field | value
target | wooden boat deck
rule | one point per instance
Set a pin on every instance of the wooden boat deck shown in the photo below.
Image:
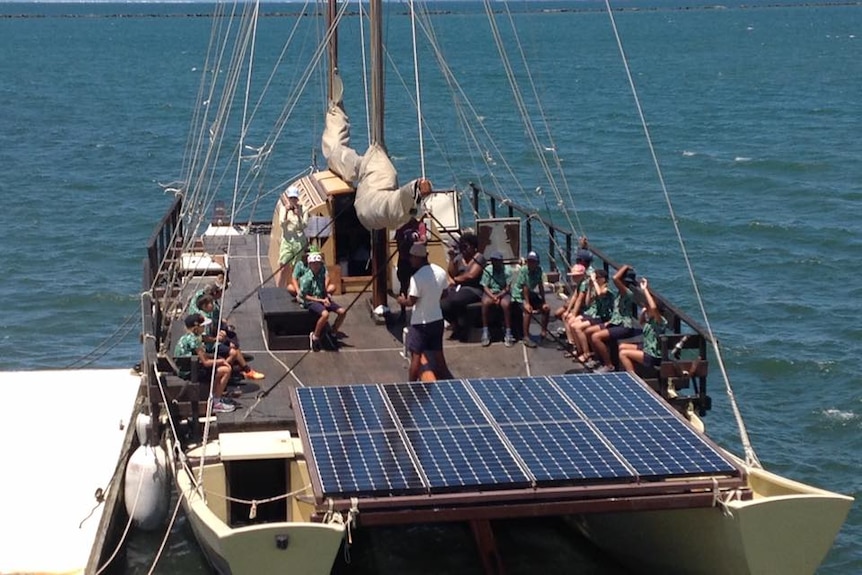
(370, 353)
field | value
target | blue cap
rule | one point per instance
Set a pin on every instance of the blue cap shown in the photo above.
(584, 255)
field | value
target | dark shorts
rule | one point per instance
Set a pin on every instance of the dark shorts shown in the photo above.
(652, 361)
(620, 331)
(506, 299)
(425, 337)
(536, 302)
(223, 350)
(317, 308)
(592, 320)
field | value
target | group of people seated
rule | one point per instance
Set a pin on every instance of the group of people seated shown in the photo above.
(595, 317)
(473, 279)
(215, 343)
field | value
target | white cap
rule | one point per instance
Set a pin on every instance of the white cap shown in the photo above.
(292, 192)
(315, 257)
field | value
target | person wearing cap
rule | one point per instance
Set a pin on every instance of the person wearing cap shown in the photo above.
(216, 340)
(598, 306)
(647, 352)
(315, 291)
(573, 305)
(425, 334)
(529, 291)
(293, 240)
(465, 287)
(622, 322)
(191, 344)
(298, 270)
(214, 291)
(497, 283)
(411, 232)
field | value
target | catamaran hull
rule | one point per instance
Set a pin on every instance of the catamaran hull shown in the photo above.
(269, 548)
(787, 528)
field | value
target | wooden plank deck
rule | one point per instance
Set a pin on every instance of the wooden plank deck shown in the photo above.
(370, 353)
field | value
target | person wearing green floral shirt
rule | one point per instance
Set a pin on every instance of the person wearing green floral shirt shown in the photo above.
(647, 352)
(622, 322)
(529, 291)
(496, 284)
(191, 344)
(314, 295)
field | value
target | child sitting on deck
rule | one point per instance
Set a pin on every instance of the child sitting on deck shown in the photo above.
(315, 291)
(191, 344)
(646, 353)
(529, 291)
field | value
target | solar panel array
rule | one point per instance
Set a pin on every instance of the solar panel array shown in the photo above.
(496, 433)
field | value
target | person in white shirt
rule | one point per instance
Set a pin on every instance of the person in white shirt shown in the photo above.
(425, 335)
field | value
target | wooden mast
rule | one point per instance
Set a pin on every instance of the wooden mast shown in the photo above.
(332, 11)
(378, 237)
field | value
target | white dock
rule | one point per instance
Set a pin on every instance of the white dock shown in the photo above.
(58, 448)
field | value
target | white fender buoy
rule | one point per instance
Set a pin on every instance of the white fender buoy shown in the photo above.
(146, 492)
(141, 424)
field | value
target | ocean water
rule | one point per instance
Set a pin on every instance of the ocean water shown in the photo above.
(754, 117)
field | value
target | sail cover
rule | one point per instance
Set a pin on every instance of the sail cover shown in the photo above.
(380, 202)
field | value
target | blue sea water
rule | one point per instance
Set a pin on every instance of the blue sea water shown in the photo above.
(754, 115)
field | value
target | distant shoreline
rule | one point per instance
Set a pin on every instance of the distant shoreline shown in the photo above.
(286, 11)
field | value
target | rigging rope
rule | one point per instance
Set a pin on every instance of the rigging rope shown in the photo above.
(750, 455)
(418, 93)
(89, 358)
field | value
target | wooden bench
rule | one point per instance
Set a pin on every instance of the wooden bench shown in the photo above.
(287, 323)
(183, 395)
(496, 326)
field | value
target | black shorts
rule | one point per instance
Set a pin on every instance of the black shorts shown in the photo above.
(536, 302)
(317, 308)
(425, 337)
(620, 331)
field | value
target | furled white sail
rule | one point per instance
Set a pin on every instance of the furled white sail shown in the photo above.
(380, 202)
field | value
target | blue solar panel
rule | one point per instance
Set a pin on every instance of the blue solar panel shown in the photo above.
(522, 400)
(565, 452)
(345, 409)
(611, 396)
(469, 458)
(443, 404)
(365, 464)
(497, 433)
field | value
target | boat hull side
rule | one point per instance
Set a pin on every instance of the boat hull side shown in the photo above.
(787, 528)
(311, 548)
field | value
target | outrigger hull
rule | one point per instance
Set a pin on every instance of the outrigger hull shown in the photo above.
(266, 548)
(787, 527)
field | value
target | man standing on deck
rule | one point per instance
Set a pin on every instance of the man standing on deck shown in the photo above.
(425, 335)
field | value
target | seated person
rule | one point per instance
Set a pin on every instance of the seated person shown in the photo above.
(623, 319)
(529, 291)
(573, 305)
(298, 271)
(215, 291)
(315, 291)
(191, 344)
(577, 279)
(497, 284)
(465, 277)
(654, 324)
(598, 306)
(216, 340)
